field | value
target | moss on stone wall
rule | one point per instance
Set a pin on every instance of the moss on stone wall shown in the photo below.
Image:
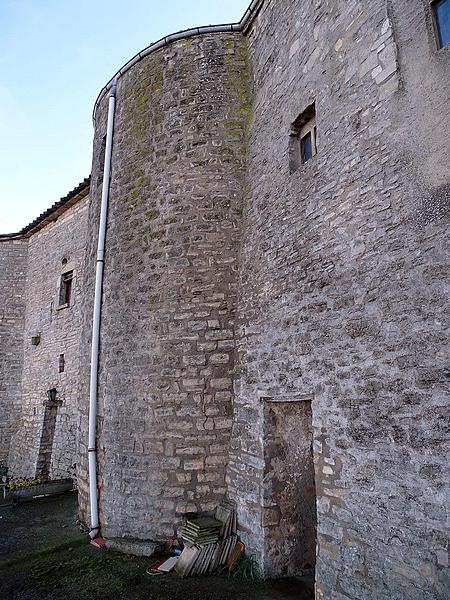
(173, 238)
(142, 100)
(239, 80)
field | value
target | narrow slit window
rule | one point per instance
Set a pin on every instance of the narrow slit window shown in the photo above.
(306, 142)
(62, 363)
(65, 290)
(441, 14)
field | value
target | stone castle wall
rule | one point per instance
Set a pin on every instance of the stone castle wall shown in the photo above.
(247, 306)
(13, 257)
(344, 288)
(166, 363)
(45, 442)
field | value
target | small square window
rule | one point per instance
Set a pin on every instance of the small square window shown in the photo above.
(65, 290)
(441, 13)
(303, 139)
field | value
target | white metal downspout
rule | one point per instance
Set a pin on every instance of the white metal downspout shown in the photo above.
(92, 452)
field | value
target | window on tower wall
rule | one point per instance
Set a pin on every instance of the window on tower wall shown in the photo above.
(308, 141)
(303, 139)
(441, 14)
(65, 289)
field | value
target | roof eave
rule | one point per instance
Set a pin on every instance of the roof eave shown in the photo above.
(52, 213)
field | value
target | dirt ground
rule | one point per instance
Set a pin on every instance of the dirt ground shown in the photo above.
(43, 556)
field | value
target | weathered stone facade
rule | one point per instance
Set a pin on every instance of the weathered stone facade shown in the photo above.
(344, 286)
(279, 335)
(43, 442)
(13, 260)
(170, 283)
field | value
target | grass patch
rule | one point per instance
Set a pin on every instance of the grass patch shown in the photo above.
(75, 570)
(25, 557)
(72, 570)
(248, 568)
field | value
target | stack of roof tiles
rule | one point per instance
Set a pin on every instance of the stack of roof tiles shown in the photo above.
(208, 541)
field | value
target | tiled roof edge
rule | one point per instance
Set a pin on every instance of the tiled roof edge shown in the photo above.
(52, 213)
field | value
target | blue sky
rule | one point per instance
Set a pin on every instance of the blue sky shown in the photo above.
(55, 56)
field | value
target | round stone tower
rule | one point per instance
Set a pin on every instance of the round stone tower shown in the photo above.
(169, 294)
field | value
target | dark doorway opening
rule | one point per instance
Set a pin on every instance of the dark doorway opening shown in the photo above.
(289, 492)
(46, 443)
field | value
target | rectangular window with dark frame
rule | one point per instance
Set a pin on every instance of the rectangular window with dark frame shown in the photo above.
(303, 139)
(307, 147)
(308, 144)
(441, 15)
(65, 290)
(62, 363)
